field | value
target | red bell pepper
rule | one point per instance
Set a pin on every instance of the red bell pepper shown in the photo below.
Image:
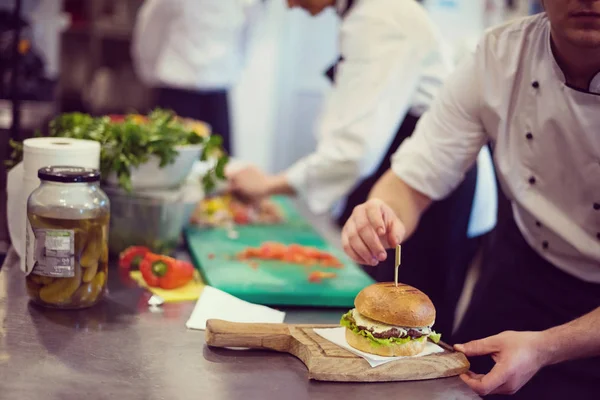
(132, 256)
(165, 272)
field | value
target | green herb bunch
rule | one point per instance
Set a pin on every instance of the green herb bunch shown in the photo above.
(129, 141)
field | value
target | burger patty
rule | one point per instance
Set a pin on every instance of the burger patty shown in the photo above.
(390, 333)
(394, 332)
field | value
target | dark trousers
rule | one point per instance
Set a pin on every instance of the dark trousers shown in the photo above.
(211, 107)
(519, 290)
(437, 256)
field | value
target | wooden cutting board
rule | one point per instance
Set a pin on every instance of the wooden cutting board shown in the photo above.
(326, 361)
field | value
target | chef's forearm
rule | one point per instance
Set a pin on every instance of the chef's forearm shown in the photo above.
(279, 185)
(407, 203)
(574, 340)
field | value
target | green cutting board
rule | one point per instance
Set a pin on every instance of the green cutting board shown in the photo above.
(274, 282)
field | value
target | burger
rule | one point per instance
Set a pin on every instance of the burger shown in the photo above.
(390, 320)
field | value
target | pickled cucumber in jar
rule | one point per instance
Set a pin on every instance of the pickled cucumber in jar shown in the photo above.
(67, 239)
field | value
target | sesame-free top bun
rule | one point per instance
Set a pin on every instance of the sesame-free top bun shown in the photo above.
(403, 306)
(362, 343)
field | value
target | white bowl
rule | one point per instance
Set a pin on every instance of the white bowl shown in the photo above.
(151, 176)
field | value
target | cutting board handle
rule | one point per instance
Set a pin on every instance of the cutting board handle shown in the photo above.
(221, 333)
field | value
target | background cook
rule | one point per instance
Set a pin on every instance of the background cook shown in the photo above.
(192, 53)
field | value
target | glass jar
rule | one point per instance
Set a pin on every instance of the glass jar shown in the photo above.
(67, 238)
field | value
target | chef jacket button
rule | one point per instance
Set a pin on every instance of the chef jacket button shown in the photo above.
(529, 136)
(532, 180)
(535, 84)
(596, 206)
(538, 224)
(545, 244)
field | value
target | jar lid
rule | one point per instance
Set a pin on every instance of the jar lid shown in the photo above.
(65, 174)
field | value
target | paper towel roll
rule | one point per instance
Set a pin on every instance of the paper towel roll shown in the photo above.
(43, 152)
(22, 179)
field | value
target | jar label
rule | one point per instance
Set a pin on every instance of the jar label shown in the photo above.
(51, 252)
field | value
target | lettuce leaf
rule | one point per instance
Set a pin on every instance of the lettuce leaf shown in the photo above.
(348, 322)
(435, 337)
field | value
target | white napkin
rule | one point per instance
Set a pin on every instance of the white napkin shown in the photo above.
(338, 336)
(216, 304)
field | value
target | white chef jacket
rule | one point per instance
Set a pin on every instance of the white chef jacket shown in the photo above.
(192, 44)
(394, 63)
(546, 137)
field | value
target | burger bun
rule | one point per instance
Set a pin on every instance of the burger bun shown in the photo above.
(401, 305)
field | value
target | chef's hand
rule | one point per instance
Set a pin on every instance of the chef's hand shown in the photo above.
(250, 183)
(518, 356)
(372, 228)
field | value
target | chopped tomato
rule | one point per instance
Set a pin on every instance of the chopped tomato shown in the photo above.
(331, 263)
(310, 262)
(251, 253)
(318, 276)
(299, 258)
(294, 253)
(311, 252)
(272, 251)
(296, 249)
(241, 217)
(287, 257)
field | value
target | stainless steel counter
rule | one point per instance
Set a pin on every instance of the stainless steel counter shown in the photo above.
(120, 349)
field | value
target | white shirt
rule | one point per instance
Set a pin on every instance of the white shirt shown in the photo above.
(192, 44)
(394, 62)
(547, 142)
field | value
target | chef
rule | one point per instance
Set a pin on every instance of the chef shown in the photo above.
(392, 65)
(533, 89)
(192, 52)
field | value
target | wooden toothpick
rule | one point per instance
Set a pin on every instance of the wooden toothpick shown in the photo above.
(398, 254)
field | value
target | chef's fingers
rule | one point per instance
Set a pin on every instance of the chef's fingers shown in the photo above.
(375, 217)
(348, 249)
(367, 233)
(359, 247)
(473, 375)
(395, 230)
(479, 347)
(230, 174)
(233, 183)
(233, 169)
(230, 188)
(489, 383)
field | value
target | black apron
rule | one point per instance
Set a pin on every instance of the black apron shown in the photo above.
(519, 290)
(211, 107)
(437, 256)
